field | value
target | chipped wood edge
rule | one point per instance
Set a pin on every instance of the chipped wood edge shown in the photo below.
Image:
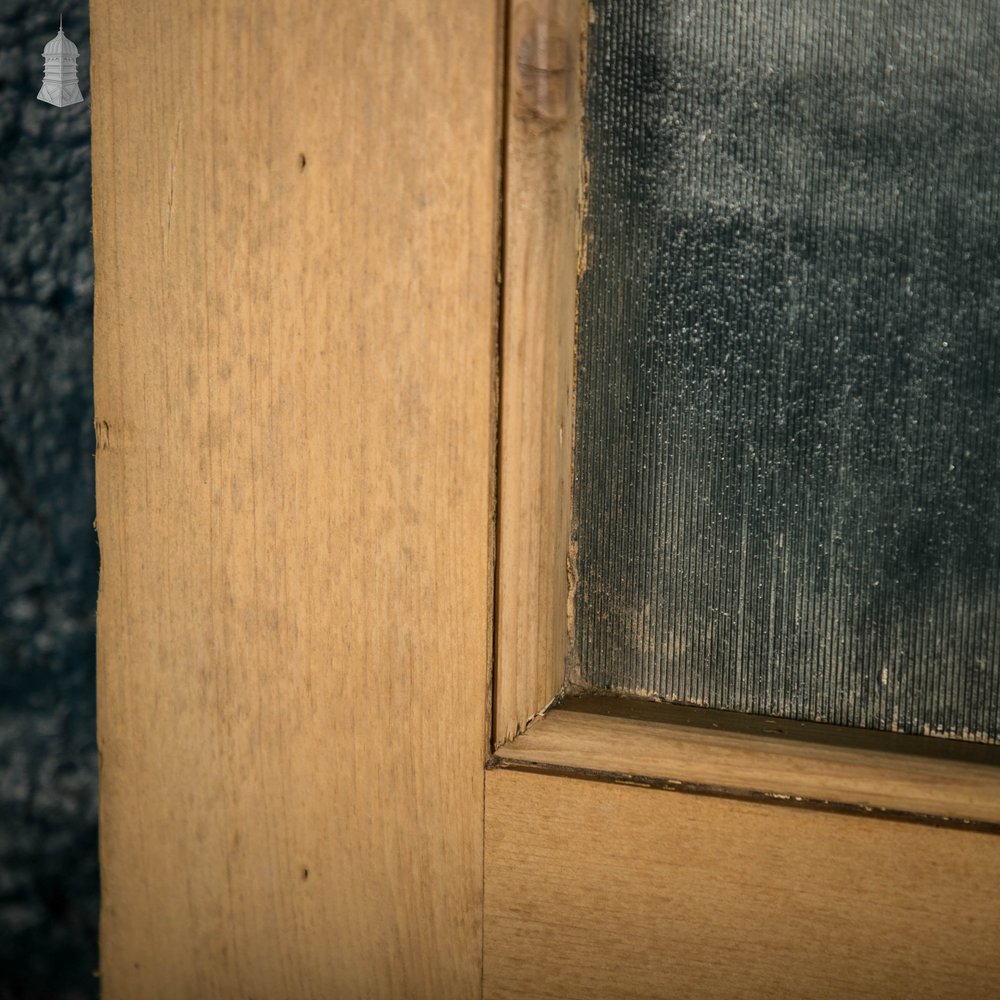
(542, 185)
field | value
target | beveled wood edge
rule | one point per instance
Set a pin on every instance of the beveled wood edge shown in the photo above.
(624, 706)
(806, 765)
(540, 248)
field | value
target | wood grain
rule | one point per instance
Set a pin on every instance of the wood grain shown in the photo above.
(604, 891)
(541, 235)
(739, 763)
(295, 222)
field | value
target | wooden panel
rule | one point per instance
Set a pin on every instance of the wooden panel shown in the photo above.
(675, 752)
(541, 223)
(295, 224)
(604, 891)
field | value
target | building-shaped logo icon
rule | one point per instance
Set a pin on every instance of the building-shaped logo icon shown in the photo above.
(59, 85)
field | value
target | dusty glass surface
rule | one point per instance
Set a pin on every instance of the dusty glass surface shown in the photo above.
(787, 476)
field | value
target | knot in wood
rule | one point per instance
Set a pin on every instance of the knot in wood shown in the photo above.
(542, 70)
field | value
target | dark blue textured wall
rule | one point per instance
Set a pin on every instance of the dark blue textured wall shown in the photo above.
(48, 552)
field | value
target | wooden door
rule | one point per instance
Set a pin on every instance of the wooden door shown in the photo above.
(295, 236)
(639, 850)
(332, 454)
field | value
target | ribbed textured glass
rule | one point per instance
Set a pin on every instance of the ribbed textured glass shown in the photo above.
(787, 474)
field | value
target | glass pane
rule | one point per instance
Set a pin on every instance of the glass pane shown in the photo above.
(787, 481)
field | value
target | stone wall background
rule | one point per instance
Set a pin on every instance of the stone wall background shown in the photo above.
(48, 549)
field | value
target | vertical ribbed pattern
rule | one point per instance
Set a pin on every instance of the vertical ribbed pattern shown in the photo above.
(787, 481)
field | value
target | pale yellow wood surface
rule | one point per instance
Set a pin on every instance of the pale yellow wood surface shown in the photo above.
(295, 227)
(541, 226)
(760, 764)
(604, 891)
